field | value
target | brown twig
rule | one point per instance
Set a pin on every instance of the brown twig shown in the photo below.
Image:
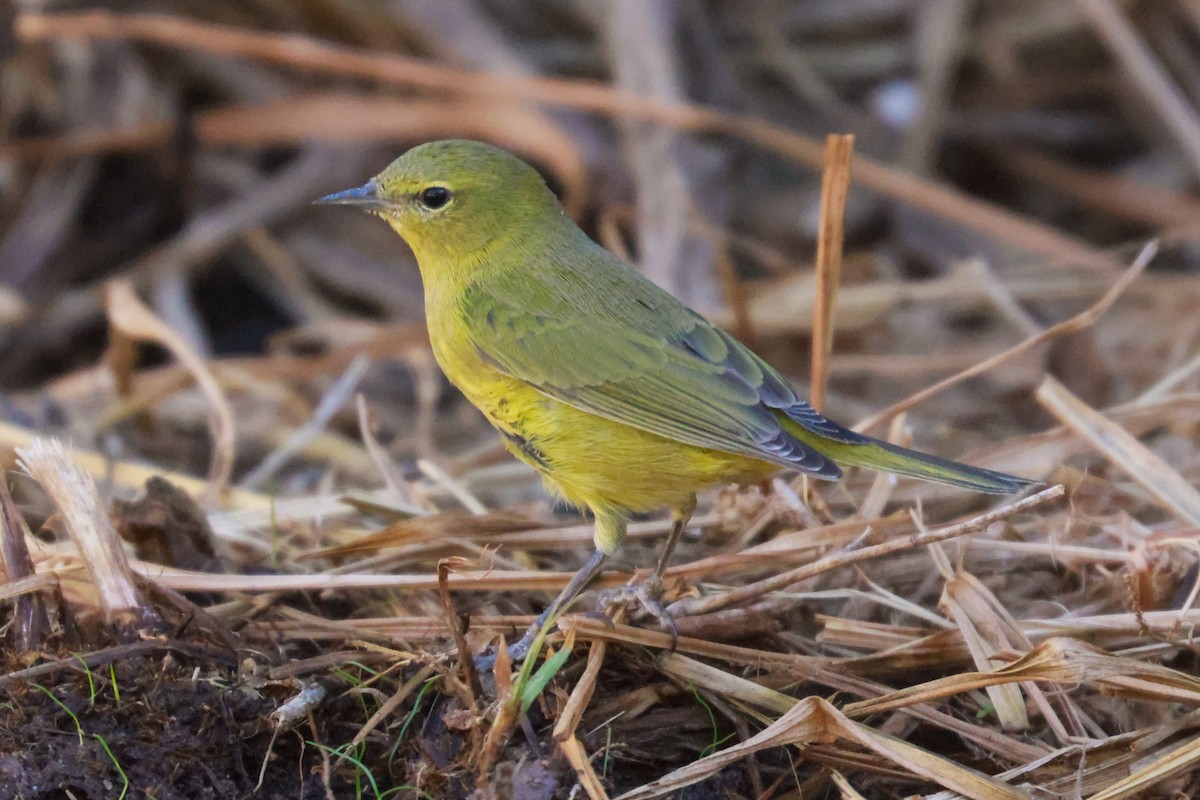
(706, 605)
(465, 660)
(1076, 323)
(835, 185)
(83, 512)
(1153, 474)
(29, 612)
(385, 710)
(572, 713)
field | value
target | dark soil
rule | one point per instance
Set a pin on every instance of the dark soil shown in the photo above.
(175, 720)
(160, 725)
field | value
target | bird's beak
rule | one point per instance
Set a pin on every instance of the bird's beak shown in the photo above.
(365, 196)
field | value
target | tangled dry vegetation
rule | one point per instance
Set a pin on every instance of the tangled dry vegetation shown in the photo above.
(276, 535)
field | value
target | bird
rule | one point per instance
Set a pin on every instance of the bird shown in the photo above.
(625, 400)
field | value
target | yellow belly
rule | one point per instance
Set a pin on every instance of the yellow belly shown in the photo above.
(595, 462)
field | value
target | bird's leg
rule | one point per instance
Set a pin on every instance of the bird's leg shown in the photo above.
(679, 520)
(610, 530)
(649, 591)
(579, 581)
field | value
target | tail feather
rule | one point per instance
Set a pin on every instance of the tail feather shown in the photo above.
(880, 455)
(903, 461)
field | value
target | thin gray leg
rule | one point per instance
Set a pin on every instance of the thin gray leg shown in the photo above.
(678, 525)
(649, 591)
(586, 574)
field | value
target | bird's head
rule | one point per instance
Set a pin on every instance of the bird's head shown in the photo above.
(455, 201)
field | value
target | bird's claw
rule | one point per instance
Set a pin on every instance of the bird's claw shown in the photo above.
(602, 618)
(648, 594)
(486, 661)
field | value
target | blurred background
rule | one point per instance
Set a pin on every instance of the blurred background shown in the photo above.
(1011, 157)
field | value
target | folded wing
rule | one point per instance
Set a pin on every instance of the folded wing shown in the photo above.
(635, 355)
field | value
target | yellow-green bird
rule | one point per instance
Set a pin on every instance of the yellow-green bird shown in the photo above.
(624, 399)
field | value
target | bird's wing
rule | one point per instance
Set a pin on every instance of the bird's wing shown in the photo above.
(621, 348)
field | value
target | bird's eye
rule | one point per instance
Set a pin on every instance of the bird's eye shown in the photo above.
(434, 197)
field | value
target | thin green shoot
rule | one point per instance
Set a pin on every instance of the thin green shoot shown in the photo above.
(116, 764)
(63, 706)
(355, 681)
(112, 676)
(521, 684)
(90, 679)
(717, 739)
(543, 676)
(372, 672)
(411, 716)
(356, 760)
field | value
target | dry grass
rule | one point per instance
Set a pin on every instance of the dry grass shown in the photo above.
(299, 622)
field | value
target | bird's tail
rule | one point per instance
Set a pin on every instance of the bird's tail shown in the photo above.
(880, 455)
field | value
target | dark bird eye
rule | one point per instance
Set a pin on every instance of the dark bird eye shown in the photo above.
(434, 197)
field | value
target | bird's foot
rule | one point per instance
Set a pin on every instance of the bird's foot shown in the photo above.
(648, 594)
(517, 651)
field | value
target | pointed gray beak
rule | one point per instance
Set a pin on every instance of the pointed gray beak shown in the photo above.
(365, 196)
